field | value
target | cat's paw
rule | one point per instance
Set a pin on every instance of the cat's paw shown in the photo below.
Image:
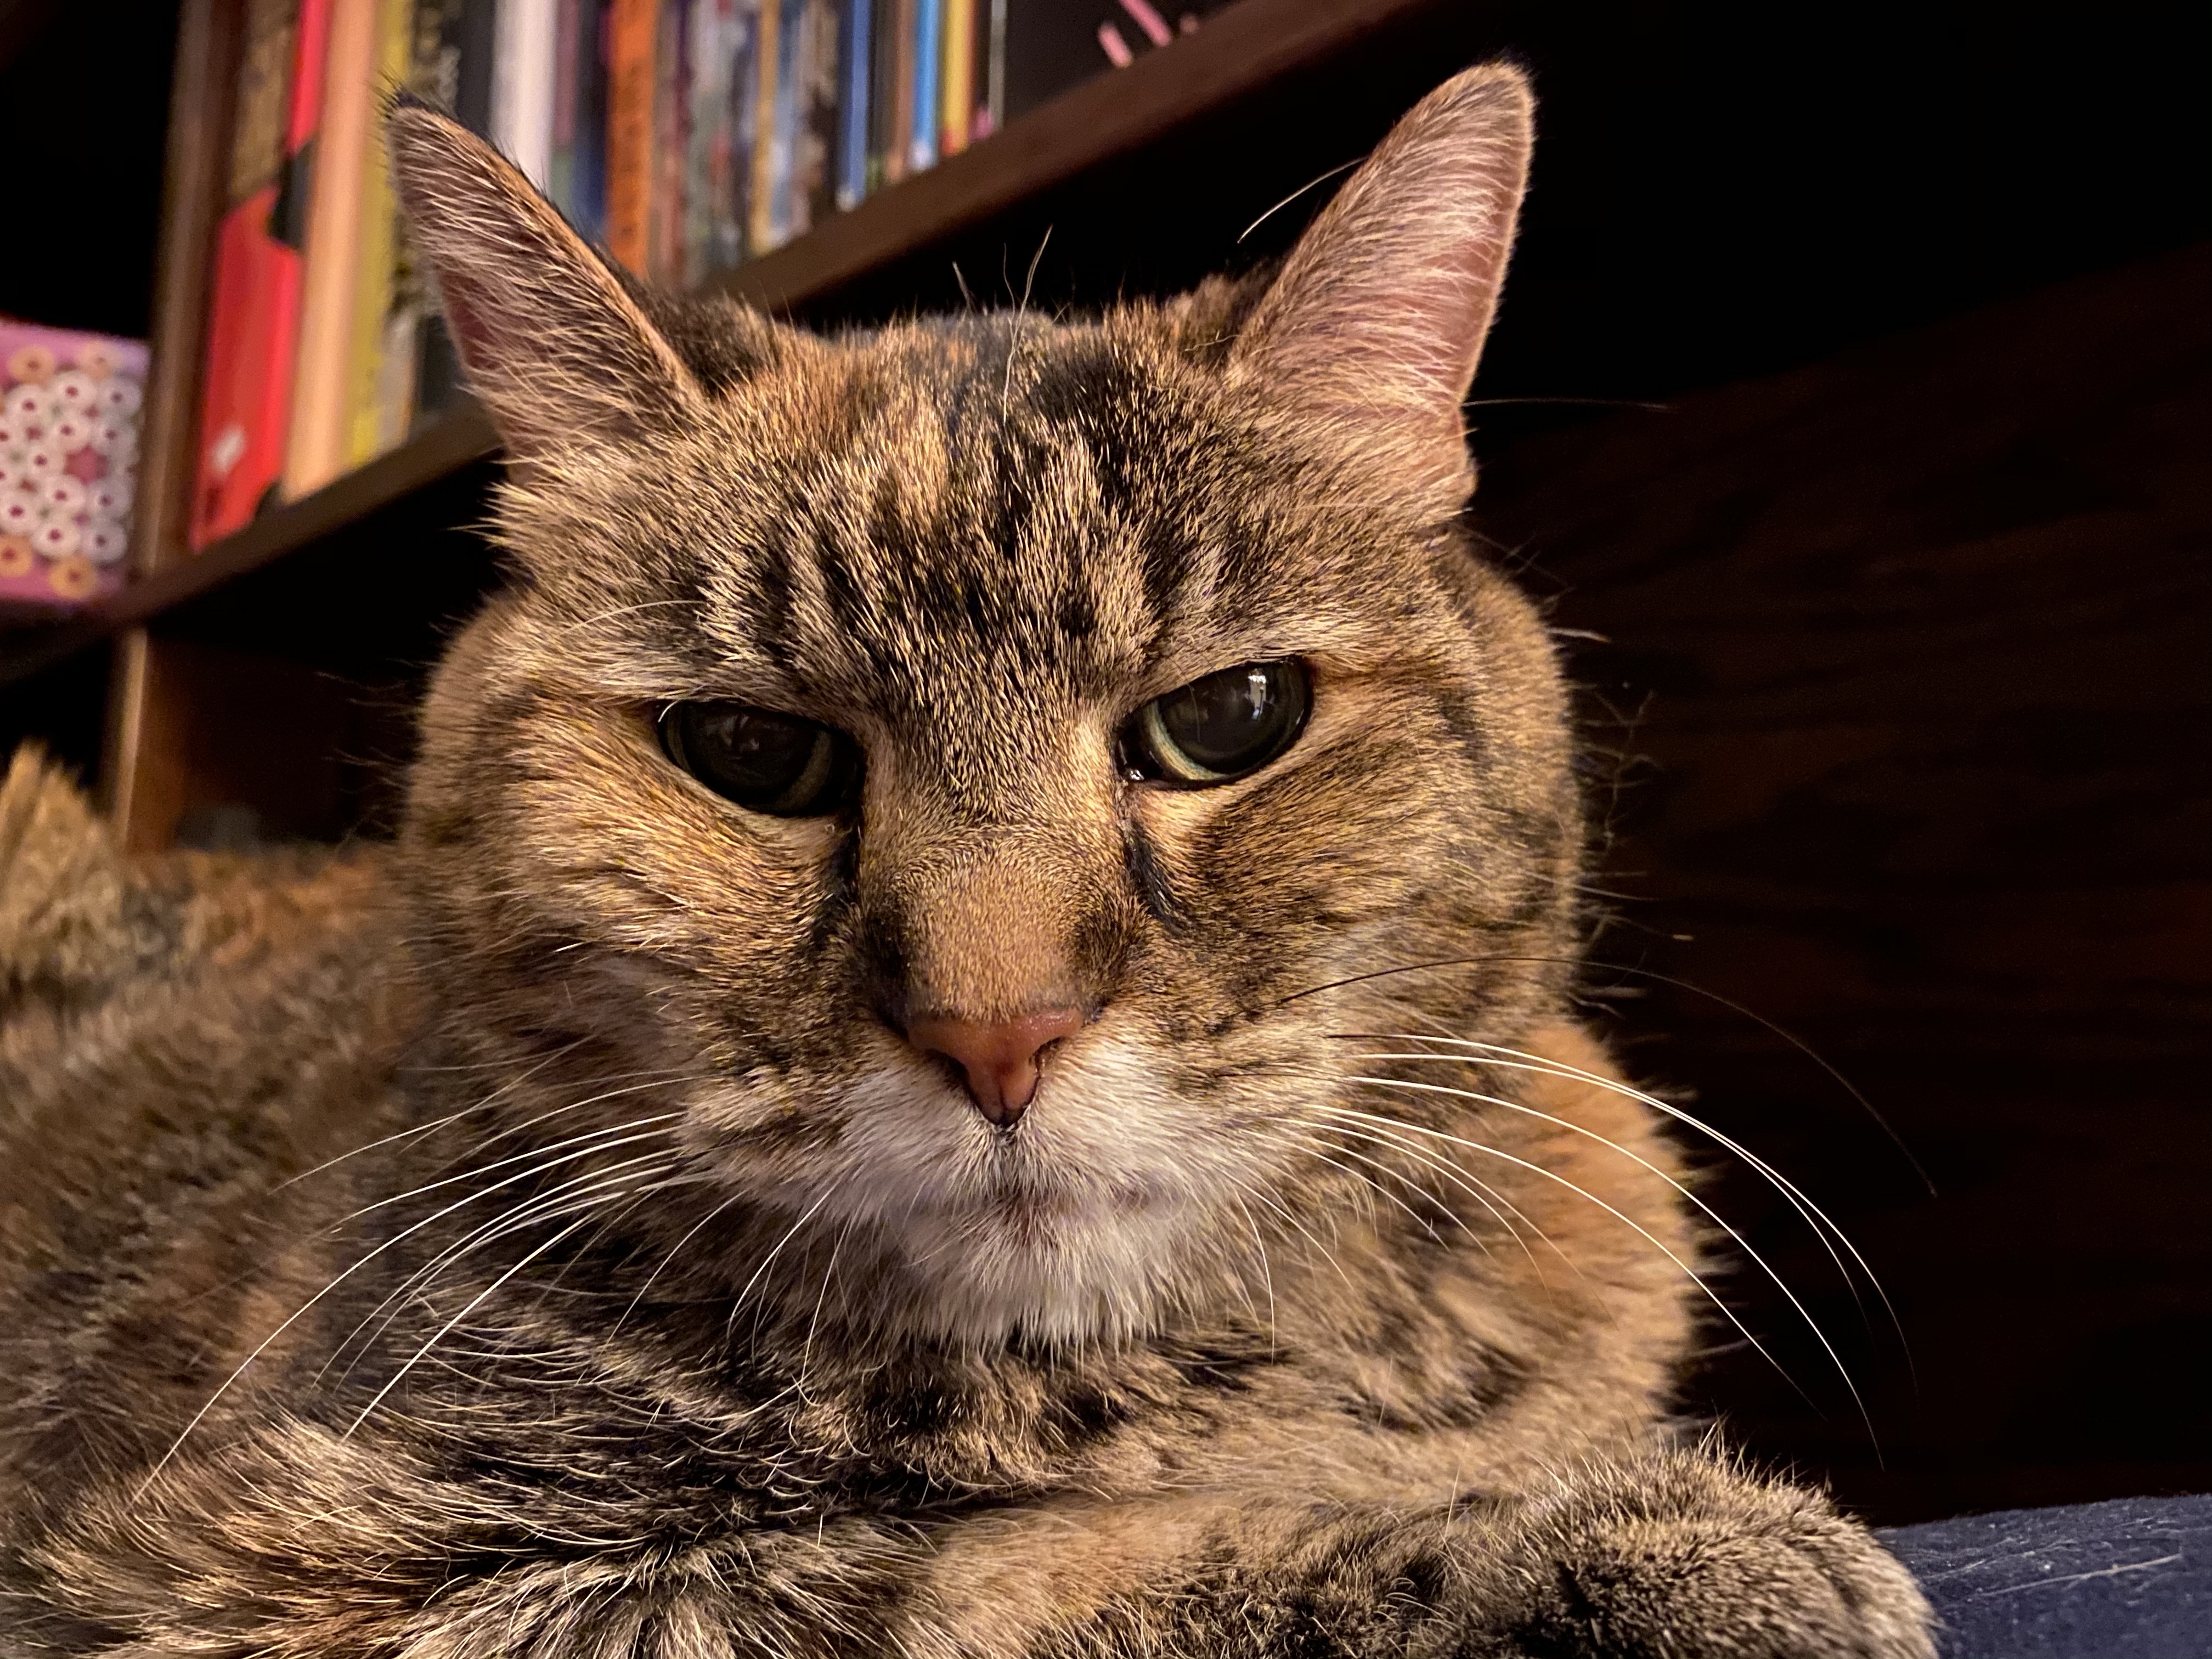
(1683, 1556)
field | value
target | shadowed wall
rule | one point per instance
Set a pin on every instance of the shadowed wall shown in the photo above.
(1905, 682)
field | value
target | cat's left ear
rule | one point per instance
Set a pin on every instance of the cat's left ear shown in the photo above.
(551, 341)
(1374, 325)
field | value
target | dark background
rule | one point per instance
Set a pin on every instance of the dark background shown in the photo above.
(1849, 406)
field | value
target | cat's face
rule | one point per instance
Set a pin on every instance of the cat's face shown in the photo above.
(831, 765)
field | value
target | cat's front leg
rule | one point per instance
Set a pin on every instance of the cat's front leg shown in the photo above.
(1684, 1555)
(1674, 1556)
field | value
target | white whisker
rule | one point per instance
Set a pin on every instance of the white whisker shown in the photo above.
(1630, 1222)
(474, 1303)
(1822, 1226)
(522, 1157)
(1705, 1209)
(484, 1233)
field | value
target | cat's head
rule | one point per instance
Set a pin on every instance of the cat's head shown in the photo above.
(931, 773)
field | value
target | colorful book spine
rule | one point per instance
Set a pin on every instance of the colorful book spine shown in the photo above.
(814, 131)
(991, 55)
(475, 52)
(927, 63)
(856, 109)
(588, 208)
(454, 41)
(891, 79)
(254, 298)
(721, 51)
(760, 203)
(956, 107)
(526, 59)
(671, 122)
(785, 213)
(743, 118)
(567, 53)
(633, 26)
(379, 372)
(316, 450)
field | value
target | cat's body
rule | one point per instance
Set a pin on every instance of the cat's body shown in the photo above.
(942, 1212)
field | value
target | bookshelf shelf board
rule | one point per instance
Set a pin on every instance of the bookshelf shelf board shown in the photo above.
(1241, 49)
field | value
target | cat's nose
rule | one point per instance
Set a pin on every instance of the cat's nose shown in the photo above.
(1000, 1057)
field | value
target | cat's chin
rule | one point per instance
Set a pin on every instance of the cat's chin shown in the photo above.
(1087, 1223)
(1062, 1279)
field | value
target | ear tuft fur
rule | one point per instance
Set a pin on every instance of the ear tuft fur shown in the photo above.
(552, 341)
(1377, 320)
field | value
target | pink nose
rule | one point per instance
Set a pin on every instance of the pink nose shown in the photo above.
(998, 1056)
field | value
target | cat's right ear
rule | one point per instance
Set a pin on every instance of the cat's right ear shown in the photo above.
(1373, 327)
(552, 343)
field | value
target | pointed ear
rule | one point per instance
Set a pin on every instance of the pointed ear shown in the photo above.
(551, 341)
(1377, 318)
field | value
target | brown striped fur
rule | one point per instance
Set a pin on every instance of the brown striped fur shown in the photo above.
(537, 1239)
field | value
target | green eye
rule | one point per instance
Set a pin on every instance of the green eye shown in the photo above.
(779, 764)
(1220, 728)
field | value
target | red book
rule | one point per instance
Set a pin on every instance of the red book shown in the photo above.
(253, 315)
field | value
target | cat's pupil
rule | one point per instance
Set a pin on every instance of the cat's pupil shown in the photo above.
(1220, 728)
(780, 764)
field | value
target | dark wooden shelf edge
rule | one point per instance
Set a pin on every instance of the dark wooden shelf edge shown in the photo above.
(1241, 49)
(453, 441)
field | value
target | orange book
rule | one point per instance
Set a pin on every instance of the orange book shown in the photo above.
(317, 452)
(761, 231)
(956, 79)
(631, 29)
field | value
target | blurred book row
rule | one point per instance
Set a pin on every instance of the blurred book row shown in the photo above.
(682, 136)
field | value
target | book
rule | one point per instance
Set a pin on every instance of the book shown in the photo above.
(453, 42)
(587, 207)
(526, 40)
(245, 389)
(720, 41)
(991, 71)
(633, 26)
(69, 458)
(760, 199)
(955, 104)
(856, 107)
(745, 123)
(890, 92)
(813, 178)
(928, 51)
(561, 155)
(672, 121)
(380, 365)
(475, 44)
(315, 451)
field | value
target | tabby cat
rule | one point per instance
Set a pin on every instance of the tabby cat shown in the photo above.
(965, 1051)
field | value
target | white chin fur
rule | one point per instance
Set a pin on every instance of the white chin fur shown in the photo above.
(1079, 1226)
